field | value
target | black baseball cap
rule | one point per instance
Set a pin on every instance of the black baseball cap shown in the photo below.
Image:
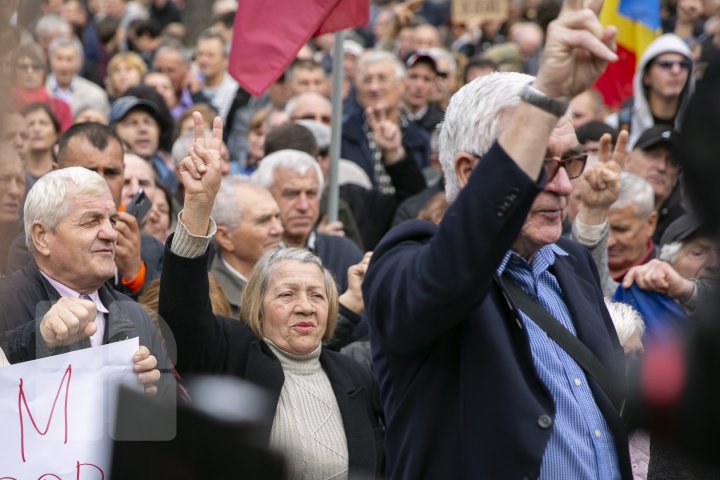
(124, 105)
(656, 135)
(425, 57)
(682, 228)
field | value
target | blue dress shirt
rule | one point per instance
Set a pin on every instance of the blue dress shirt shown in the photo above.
(581, 445)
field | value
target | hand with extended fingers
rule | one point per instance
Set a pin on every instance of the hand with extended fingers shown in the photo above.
(200, 174)
(577, 49)
(600, 183)
(386, 134)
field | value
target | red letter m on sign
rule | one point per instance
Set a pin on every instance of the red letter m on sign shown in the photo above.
(23, 401)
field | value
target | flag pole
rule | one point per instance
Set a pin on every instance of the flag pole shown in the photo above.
(335, 126)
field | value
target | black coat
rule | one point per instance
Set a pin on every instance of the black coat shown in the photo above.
(26, 296)
(207, 343)
(461, 395)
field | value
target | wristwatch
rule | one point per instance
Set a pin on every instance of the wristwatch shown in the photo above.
(538, 99)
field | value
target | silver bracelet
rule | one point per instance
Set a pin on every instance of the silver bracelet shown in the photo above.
(538, 99)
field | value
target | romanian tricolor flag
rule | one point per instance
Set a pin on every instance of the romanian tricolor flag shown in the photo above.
(638, 24)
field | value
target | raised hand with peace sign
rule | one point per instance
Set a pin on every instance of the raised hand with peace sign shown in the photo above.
(200, 175)
(600, 183)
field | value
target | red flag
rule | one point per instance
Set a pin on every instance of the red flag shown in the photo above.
(268, 34)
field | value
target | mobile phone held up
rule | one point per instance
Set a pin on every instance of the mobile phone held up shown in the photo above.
(139, 205)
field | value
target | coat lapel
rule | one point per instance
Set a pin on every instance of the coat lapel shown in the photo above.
(352, 402)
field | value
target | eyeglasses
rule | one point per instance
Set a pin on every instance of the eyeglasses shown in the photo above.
(311, 116)
(669, 64)
(573, 163)
(30, 66)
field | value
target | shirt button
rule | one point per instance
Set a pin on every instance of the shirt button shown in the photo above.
(597, 433)
(577, 382)
(544, 421)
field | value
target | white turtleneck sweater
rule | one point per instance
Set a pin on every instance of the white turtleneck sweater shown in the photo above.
(308, 427)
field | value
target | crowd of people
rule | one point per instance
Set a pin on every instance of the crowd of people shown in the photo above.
(505, 244)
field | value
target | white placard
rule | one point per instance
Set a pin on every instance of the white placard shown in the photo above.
(57, 413)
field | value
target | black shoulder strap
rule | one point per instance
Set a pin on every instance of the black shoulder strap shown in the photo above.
(567, 341)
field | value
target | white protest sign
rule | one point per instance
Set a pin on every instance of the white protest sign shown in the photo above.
(57, 413)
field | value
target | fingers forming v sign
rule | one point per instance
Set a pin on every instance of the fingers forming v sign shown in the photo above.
(601, 181)
(200, 170)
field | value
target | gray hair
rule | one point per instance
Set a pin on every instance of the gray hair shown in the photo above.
(295, 160)
(61, 42)
(251, 304)
(442, 54)
(319, 130)
(371, 57)
(51, 25)
(102, 107)
(626, 320)
(47, 200)
(226, 210)
(292, 103)
(635, 191)
(177, 47)
(183, 144)
(474, 119)
(669, 252)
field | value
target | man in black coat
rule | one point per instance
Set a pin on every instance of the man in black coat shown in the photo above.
(472, 386)
(60, 301)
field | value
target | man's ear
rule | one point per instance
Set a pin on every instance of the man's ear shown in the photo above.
(464, 164)
(40, 235)
(222, 237)
(652, 222)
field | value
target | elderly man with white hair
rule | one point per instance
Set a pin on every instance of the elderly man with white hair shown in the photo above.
(248, 225)
(61, 301)
(296, 182)
(66, 59)
(632, 221)
(467, 317)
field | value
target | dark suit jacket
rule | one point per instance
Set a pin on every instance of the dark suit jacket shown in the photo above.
(26, 296)
(355, 145)
(207, 343)
(461, 395)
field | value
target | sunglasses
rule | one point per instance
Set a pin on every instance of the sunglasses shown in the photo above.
(310, 116)
(30, 67)
(573, 163)
(669, 64)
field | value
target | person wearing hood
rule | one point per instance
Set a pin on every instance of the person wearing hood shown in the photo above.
(662, 87)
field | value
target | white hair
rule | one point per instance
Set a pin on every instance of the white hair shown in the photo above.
(177, 47)
(669, 252)
(295, 160)
(51, 25)
(371, 57)
(47, 200)
(292, 103)
(61, 42)
(474, 119)
(635, 191)
(226, 209)
(626, 320)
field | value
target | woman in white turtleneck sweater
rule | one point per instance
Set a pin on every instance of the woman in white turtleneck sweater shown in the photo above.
(327, 423)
